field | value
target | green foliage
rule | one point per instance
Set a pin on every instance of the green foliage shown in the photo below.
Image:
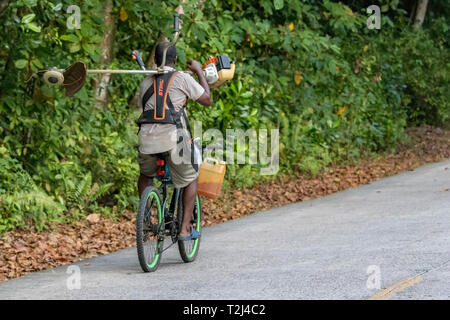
(21, 202)
(84, 193)
(334, 88)
(423, 67)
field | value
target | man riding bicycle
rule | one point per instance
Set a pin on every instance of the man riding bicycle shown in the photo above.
(164, 128)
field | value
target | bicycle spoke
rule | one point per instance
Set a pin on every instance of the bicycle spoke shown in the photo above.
(168, 247)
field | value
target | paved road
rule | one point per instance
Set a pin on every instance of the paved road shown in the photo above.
(386, 240)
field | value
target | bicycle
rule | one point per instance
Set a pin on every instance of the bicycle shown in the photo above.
(157, 219)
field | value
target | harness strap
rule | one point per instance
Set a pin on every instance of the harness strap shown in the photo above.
(160, 92)
(161, 86)
(147, 96)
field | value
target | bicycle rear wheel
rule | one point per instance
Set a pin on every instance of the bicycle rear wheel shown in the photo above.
(149, 229)
(189, 249)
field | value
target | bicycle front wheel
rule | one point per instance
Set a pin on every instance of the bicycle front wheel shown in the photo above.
(149, 229)
(189, 249)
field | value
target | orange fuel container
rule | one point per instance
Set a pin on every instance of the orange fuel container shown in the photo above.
(210, 178)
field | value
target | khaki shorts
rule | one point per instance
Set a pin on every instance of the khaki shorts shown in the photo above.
(182, 174)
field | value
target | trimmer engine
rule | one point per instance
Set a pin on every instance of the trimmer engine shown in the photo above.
(218, 70)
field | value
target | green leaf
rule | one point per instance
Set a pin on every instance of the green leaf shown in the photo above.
(28, 18)
(69, 37)
(25, 53)
(20, 64)
(95, 38)
(74, 47)
(89, 48)
(97, 20)
(37, 63)
(30, 3)
(34, 27)
(198, 15)
(87, 30)
(332, 67)
(57, 7)
(278, 4)
(247, 94)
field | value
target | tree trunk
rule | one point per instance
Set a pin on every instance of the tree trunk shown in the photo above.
(412, 14)
(106, 55)
(3, 6)
(421, 10)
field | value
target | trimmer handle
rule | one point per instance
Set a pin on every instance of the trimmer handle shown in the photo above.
(176, 22)
(136, 56)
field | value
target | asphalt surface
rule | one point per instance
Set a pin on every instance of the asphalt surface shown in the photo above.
(388, 240)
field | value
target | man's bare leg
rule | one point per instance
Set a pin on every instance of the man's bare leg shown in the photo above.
(143, 182)
(189, 194)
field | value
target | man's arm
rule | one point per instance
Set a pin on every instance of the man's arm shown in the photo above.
(205, 98)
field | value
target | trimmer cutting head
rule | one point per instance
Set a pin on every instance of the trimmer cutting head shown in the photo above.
(53, 77)
(74, 78)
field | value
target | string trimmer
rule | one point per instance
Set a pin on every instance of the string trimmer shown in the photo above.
(217, 70)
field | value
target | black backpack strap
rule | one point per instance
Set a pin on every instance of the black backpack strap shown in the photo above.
(175, 116)
(147, 95)
(159, 90)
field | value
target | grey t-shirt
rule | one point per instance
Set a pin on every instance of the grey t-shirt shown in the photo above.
(156, 137)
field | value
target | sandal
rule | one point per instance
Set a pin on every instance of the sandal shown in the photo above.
(194, 235)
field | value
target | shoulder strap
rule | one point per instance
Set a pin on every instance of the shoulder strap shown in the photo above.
(147, 95)
(159, 90)
(162, 86)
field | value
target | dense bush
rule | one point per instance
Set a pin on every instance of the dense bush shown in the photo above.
(311, 68)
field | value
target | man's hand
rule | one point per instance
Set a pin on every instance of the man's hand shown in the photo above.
(194, 66)
(205, 98)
